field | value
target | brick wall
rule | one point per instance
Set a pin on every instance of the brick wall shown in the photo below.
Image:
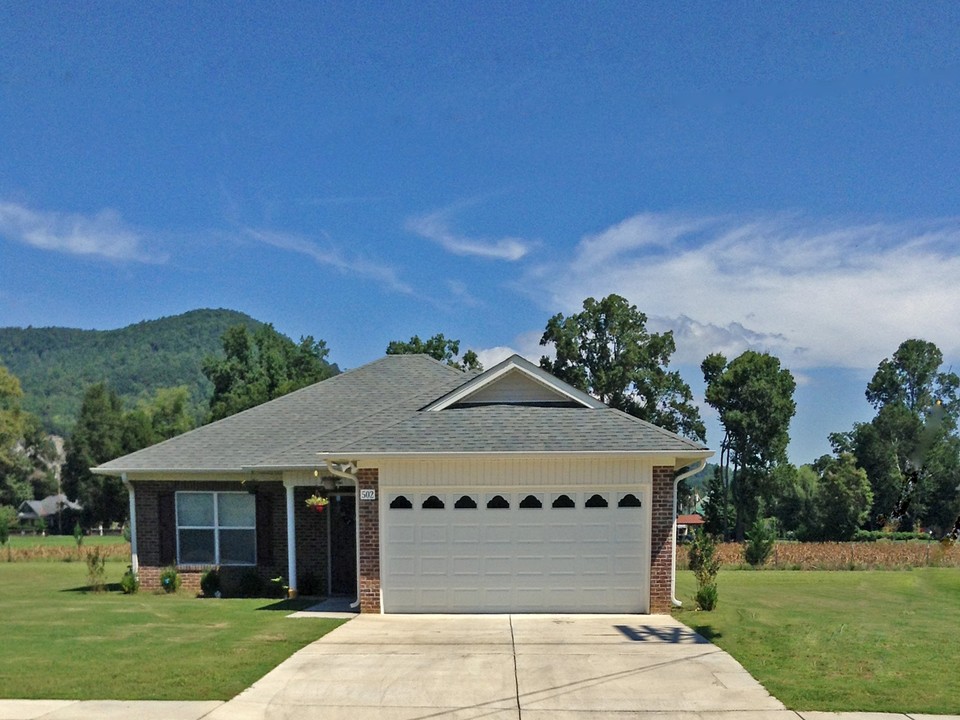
(148, 531)
(661, 540)
(311, 529)
(369, 550)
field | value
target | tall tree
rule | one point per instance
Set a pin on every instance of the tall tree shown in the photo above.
(263, 366)
(910, 450)
(13, 488)
(96, 438)
(842, 500)
(754, 398)
(439, 348)
(606, 350)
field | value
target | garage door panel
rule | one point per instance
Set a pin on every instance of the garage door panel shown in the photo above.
(564, 559)
(465, 533)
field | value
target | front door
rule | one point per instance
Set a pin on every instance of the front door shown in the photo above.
(343, 545)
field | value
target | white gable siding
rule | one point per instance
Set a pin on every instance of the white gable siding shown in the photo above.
(515, 387)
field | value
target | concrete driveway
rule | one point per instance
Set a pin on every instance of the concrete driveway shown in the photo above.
(507, 666)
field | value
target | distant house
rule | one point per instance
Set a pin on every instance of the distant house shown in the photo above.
(50, 505)
(687, 524)
(502, 491)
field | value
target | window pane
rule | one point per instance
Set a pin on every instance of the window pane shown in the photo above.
(237, 510)
(195, 509)
(196, 547)
(238, 547)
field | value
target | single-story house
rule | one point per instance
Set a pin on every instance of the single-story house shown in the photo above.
(50, 505)
(687, 524)
(501, 491)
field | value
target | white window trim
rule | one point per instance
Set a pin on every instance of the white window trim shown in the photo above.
(215, 527)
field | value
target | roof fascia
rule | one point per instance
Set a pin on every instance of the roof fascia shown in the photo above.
(514, 363)
(686, 456)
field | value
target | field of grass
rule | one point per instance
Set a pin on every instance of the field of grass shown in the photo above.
(882, 641)
(60, 641)
(18, 541)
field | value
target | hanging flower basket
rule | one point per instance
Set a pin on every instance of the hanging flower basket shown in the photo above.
(317, 502)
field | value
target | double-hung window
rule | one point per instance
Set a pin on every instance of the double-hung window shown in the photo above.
(216, 528)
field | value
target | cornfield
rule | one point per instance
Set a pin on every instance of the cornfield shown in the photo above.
(63, 553)
(880, 555)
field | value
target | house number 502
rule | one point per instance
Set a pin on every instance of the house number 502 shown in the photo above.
(368, 494)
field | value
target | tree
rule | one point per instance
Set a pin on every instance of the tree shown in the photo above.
(606, 351)
(97, 438)
(263, 366)
(843, 498)
(910, 450)
(754, 398)
(26, 452)
(439, 348)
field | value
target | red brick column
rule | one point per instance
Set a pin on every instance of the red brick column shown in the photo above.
(368, 512)
(661, 540)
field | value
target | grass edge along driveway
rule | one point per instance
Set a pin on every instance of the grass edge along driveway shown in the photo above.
(873, 641)
(61, 642)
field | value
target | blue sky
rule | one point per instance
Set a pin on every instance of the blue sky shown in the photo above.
(775, 176)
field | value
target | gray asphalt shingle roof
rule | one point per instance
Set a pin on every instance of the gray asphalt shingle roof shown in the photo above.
(378, 409)
(393, 386)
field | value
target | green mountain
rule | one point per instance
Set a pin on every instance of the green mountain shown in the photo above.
(56, 365)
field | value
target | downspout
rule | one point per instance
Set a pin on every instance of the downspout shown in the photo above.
(673, 535)
(348, 471)
(134, 557)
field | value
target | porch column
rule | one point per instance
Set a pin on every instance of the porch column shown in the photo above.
(291, 542)
(134, 557)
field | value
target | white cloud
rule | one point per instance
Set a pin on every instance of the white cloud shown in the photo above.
(331, 257)
(526, 345)
(815, 294)
(435, 227)
(104, 234)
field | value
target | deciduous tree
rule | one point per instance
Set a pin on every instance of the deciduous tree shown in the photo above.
(606, 350)
(754, 398)
(262, 367)
(910, 450)
(439, 348)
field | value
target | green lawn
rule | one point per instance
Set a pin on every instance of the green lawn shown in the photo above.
(59, 641)
(883, 641)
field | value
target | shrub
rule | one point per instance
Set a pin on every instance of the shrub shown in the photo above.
(759, 545)
(706, 597)
(250, 584)
(78, 534)
(705, 563)
(210, 583)
(8, 515)
(95, 569)
(170, 580)
(130, 582)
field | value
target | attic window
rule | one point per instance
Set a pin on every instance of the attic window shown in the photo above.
(465, 503)
(596, 501)
(498, 502)
(400, 502)
(531, 502)
(433, 503)
(629, 501)
(563, 501)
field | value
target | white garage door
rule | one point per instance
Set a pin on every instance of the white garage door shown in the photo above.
(556, 551)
